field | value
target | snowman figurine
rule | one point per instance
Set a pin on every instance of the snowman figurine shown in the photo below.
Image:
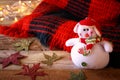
(89, 50)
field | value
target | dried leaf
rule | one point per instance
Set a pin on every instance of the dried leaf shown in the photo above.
(50, 59)
(12, 59)
(79, 76)
(23, 44)
(32, 72)
(47, 56)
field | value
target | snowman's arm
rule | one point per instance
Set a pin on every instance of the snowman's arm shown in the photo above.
(72, 42)
(107, 46)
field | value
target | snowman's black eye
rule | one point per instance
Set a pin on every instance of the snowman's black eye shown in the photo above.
(87, 29)
(84, 29)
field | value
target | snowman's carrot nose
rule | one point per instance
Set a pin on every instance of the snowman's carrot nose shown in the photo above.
(86, 35)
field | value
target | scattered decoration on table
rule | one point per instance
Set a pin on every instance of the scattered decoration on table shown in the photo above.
(50, 59)
(23, 44)
(12, 59)
(80, 76)
(32, 72)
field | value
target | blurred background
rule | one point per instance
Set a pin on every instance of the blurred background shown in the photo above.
(12, 10)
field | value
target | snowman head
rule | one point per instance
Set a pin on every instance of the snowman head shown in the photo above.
(87, 28)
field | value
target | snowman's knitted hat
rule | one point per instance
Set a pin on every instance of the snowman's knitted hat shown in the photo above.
(91, 22)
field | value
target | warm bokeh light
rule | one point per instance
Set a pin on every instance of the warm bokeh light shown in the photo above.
(13, 12)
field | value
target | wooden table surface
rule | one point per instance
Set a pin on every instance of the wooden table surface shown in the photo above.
(60, 70)
(64, 74)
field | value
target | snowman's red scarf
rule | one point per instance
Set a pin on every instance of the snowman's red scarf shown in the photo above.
(89, 42)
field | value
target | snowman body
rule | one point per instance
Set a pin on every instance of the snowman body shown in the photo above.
(89, 50)
(97, 59)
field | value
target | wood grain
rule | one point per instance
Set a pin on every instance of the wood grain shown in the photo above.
(60, 70)
(64, 74)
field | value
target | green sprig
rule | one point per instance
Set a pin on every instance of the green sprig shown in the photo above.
(79, 76)
(23, 44)
(50, 59)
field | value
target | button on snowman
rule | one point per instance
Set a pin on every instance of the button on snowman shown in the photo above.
(89, 50)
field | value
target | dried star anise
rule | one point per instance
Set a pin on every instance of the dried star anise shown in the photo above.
(12, 59)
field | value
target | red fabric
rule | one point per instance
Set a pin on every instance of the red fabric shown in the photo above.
(64, 32)
(89, 46)
(59, 3)
(83, 40)
(105, 12)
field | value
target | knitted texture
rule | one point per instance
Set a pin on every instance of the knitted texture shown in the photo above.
(64, 32)
(53, 21)
(78, 8)
(44, 27)
(105, 12)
